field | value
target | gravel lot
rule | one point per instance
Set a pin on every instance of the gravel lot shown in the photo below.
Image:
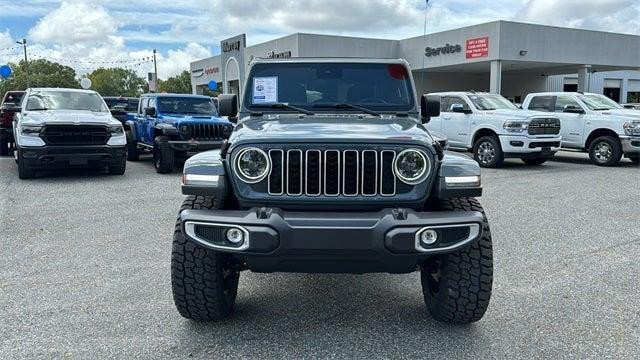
(86, 257)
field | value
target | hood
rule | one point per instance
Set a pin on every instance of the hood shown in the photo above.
(199, 119)
(326, 129)
(69, 117)
(627, 114)
(518, 114)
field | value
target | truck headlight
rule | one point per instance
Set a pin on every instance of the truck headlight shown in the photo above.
(515, 126)
(28, 130)
(411, 166)
(117, 130)
(631, 128)
(252, 165)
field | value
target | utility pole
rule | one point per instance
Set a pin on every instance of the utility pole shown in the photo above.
(155, 71)
(26, 61)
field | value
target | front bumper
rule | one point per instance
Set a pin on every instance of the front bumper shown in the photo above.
(518, 145)
(332, 242)
(52, 157)
(630, 145)
(195, 145)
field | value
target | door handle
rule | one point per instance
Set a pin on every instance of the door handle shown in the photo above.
(588, 122)
(446, 117)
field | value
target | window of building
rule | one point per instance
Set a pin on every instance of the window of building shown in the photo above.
(633, 96)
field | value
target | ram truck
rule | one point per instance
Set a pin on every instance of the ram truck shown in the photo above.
(592, 123)
(330, 169)
(494, 129)
(58, 128)
(173, 126)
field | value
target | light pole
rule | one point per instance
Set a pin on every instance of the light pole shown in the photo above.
(155, 71)
(26, 61)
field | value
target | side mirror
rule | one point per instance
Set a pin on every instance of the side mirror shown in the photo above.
(150, 111)
(11, 107)
(228, 105)
(459, 108)
(429, 107)
(572, 109)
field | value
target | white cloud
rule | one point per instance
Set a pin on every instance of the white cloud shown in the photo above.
(606, 15)
(178, 60)
(73, 23)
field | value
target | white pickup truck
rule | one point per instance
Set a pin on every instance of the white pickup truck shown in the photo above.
(494, 128)
(594, 123)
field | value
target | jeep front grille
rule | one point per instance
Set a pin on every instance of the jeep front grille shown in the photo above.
(75, 135)
(203, 131)
(331, 172)
(544, 126)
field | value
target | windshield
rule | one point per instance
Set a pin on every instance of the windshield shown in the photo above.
(65, 100)
(186, 105)
(127, 104)
(598, 102)
(329, 86)
(491, 102)
(13, 97)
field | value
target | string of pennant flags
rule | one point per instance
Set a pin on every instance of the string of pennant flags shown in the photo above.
(137, 61)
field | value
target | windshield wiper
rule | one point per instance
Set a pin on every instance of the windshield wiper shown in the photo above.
(285, 106)
(601, 109)
(38, 109)
(349, 106)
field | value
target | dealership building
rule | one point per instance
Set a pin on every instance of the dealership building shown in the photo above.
(504, 57)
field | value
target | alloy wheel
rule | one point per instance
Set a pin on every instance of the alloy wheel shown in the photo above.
(603, 151)
(486, 152)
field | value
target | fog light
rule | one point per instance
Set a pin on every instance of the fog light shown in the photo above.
(235, 236)
(428, 237)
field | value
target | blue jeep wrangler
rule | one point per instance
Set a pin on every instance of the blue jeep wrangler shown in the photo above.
(172, 126)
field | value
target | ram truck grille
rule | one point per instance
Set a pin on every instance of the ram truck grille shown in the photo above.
(202, 132)
(544, 126)
(332, 172)
(75, 135)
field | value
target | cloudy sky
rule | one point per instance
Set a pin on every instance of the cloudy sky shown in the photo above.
(86, 33)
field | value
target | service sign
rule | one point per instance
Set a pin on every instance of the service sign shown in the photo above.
(477, 48)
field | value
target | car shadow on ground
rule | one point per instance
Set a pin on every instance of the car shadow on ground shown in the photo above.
(292, 309)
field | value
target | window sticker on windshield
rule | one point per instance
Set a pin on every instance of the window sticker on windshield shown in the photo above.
(265, 90)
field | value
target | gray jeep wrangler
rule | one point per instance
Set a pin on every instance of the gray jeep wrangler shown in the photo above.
(330, 170)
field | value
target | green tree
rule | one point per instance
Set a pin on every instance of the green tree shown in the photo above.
(179, 84)
(116, 82)
(42, 73)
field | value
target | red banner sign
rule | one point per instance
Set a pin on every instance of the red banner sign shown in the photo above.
(478, 47)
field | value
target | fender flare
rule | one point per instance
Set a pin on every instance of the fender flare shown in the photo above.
(131, 126)
(166, 129)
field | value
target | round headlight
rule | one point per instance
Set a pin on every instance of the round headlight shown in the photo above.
(252, 165)
(411, 166)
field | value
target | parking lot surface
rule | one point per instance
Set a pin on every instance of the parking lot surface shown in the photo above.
(86, 259)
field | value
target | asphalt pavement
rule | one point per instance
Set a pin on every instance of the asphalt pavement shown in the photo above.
(85, 259)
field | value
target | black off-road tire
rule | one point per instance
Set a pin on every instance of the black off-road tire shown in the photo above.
(614, 148)
(118, 169)
(204, 281)
(163, 157)
(492, 142)
(23, 171)
(4, 147)
(535, 160)
(133, 153)
(457, 286)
